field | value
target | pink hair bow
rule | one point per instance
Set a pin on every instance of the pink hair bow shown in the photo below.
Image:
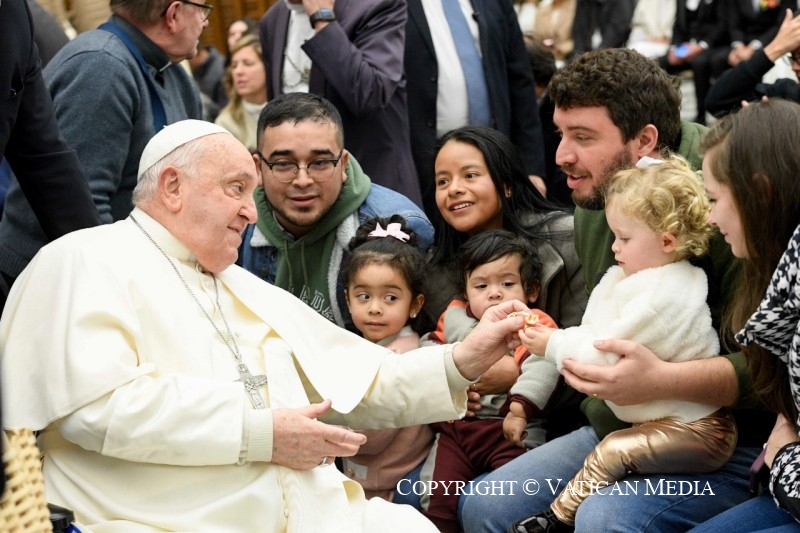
(392, 230)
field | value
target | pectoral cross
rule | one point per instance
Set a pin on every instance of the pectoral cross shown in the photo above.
(252, 384)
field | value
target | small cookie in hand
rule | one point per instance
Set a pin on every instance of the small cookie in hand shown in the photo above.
(531, 319)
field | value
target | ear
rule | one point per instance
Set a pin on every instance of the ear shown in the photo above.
(647, 141)
(416, 305)
(170, 16)
(534, 294)
(259, 176)
(343, 164)
(669, 243)
(169, 189)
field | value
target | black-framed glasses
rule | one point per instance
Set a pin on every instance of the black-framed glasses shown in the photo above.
(286, 171)
(205, 9)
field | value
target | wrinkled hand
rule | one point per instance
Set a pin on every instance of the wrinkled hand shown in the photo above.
(300, 442)
(782, 434)
(636, 378)
(536, 338)
(491, 339)
(514, 425)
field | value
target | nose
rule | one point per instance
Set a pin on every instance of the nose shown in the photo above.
(302, 178)
(495, 293)
(248, 210)
(374, 307)
(615, 246)
(455, 187)
(712, 220)
(564, 153)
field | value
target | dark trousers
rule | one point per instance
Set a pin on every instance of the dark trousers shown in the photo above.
(463, 449)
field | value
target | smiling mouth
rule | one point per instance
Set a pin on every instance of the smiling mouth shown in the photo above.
(460, 206)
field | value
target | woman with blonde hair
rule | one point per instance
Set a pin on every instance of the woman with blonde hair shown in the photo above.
(246, 83)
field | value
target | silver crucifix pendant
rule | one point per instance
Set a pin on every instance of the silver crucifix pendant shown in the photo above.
(252, 384)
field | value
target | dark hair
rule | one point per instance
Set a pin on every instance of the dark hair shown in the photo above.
(635, 90)
(519, 199)
(297, 107)
(542, 59)
(140, 11)
(756, 157)
(404, 256)
(493, 245)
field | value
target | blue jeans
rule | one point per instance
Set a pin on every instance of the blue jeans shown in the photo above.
(641, 503)
(759, 514)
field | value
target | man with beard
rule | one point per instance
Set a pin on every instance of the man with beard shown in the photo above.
(614, 109)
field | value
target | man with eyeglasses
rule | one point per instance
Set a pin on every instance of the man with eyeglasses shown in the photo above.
(351, 53)
(113, 88)
(313, 197)
(743, 83)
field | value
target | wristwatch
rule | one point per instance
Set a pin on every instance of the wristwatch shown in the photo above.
(322, 15)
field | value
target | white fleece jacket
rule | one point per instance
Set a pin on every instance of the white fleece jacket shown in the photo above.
(662, 308)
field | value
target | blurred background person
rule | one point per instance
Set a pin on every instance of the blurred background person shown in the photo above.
(602, 24)
(543, 65)
(238, 29)
(553, 27)
(526, 14)
(651, 27)
(246, 81)
(699, 44)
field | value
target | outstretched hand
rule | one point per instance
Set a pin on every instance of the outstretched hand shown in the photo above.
(301, 442)
(491, 339)
(535, 338)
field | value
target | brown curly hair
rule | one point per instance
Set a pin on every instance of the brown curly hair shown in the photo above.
(634, 89)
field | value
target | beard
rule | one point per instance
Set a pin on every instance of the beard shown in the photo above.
(597, 198)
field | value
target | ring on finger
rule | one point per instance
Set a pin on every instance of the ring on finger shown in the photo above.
(324, 461)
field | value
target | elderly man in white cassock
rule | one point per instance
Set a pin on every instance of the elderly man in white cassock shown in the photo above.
(177, 392)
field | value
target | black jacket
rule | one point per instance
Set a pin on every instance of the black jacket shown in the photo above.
(47, 169)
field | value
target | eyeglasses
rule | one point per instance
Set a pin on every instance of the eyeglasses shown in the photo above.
(205, 9)
(286, 171)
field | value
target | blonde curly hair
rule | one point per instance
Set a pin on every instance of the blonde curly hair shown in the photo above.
(669, 198)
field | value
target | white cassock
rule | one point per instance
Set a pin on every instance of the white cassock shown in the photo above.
(146, 427)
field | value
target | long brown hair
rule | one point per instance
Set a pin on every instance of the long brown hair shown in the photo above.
(757, 157)
(235, 104)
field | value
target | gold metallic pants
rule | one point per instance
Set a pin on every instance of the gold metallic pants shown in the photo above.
(664, 446)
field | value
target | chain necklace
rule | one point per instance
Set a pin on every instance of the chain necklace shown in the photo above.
(304, 73)
(251, 383)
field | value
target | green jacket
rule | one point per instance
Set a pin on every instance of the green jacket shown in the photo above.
(593, 239)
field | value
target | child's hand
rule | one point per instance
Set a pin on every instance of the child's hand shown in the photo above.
(536, 338)
(514, 425)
